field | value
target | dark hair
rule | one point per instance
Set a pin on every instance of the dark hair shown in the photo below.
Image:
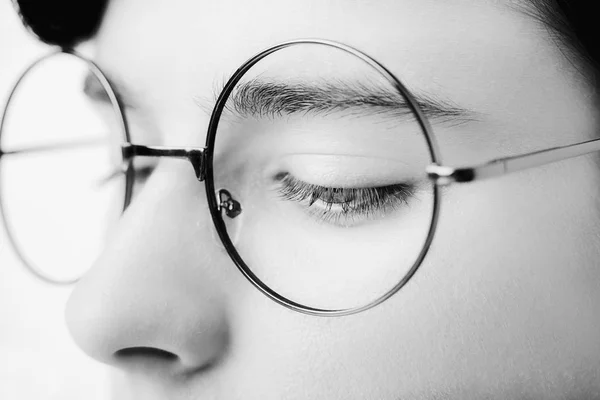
(573, 26)
(62, 22)
(571, 22)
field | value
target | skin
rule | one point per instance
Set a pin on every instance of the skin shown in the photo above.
(505, 304)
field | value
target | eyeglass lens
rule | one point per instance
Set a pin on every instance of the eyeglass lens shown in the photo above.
(60, 192)
(326, 161)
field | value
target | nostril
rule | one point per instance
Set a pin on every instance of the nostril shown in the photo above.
(145, 352)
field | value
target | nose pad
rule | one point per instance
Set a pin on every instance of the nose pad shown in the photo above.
(230, 211)
(227, 204)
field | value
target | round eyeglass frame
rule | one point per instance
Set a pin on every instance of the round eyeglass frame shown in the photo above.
(202, 161)
(217, 214)
(117, 108)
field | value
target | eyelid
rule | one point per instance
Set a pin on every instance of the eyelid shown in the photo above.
(357, 171)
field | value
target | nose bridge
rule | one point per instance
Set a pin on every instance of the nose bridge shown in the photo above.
(158, 284)
(196, 156)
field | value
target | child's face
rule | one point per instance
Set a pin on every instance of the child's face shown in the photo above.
(504, 306)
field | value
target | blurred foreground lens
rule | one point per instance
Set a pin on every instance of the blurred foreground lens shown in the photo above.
(319, 168)
(59, 190)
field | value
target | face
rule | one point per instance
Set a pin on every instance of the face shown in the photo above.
(505, 303)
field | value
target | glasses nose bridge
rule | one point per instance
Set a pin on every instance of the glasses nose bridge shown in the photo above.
(195, 155)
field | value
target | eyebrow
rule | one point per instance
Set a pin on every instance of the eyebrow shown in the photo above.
(260, 98)
(269, 98)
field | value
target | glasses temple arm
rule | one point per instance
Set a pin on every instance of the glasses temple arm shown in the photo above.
(445, 175)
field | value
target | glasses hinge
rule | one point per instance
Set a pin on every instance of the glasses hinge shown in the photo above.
(443, 175)
(127, 151)
(198, 159)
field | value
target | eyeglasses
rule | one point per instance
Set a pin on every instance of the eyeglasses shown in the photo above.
(322, 173)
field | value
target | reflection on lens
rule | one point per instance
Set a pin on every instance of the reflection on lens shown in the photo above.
(59, 183)
(327, 162)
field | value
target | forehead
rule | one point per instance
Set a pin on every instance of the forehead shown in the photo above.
(407, 33)
(172, 50)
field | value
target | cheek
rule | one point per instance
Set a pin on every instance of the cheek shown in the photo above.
(507, 294)
(540, 222)
(510, 286)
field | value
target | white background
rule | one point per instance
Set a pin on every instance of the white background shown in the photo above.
(37, 357)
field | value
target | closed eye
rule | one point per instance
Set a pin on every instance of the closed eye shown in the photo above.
(345, 206)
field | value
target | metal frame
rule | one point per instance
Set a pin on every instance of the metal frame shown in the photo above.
(220, 224)
(30, 266)
(444, 175)
(201, 159)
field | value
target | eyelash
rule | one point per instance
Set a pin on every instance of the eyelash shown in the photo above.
(345, 206)
(141, 175)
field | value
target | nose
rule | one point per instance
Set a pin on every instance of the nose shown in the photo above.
(154, 299)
